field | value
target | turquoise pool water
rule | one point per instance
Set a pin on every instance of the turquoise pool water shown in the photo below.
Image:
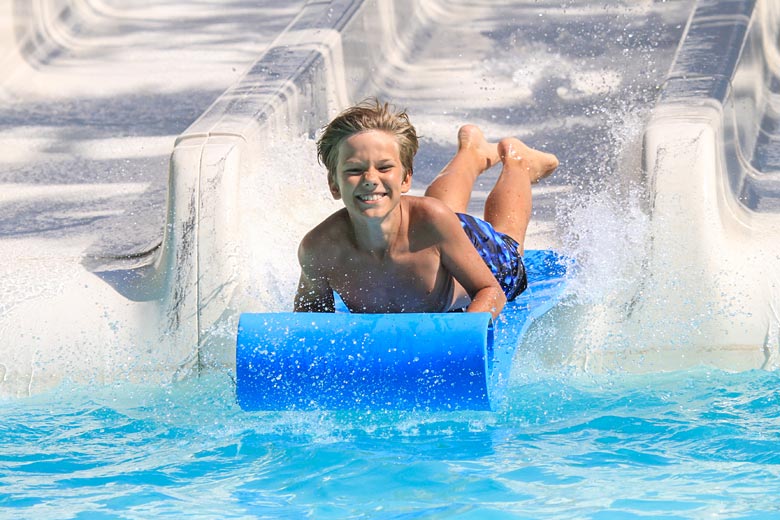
(694, 444)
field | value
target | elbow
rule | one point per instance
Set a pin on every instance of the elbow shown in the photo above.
(501, 300)
(499, 303)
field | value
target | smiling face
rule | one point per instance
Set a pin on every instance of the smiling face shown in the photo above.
(370, 177)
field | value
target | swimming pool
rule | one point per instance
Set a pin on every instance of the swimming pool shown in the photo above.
(694, 444)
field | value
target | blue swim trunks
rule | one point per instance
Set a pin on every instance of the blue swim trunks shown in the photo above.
(499, 251)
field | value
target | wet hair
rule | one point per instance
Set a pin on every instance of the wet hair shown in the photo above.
(369, 114)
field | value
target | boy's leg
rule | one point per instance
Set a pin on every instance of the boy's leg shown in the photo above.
(508, 206)
(475, 155)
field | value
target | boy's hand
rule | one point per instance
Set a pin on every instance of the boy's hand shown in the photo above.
(489, 299)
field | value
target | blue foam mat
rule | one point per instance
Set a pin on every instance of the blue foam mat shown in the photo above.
(288, 361)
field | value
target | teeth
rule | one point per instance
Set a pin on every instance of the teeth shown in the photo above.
(371, 197)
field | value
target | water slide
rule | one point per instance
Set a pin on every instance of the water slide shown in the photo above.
(131, 242)
(93, 95)
(707, 291)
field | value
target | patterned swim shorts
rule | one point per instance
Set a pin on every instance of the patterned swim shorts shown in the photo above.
(499, 251)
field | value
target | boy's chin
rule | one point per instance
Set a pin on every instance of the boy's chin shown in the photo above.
(378, 212)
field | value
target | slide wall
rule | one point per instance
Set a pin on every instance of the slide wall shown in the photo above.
(60, 322)
(710, 293)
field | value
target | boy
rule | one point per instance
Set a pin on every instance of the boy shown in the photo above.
(386, 252)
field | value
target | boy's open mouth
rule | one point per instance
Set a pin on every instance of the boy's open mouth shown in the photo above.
(371, 197)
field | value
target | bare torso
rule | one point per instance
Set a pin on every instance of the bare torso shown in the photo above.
(406, 276)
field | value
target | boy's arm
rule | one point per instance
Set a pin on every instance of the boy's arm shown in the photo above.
(314, 293)
(464, 263)
(312, 297)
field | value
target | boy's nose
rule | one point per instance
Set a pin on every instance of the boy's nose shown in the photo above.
(370, 176)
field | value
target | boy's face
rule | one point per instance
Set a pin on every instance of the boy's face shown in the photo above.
(369, 175)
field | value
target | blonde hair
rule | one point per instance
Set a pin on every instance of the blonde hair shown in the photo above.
(369, 114)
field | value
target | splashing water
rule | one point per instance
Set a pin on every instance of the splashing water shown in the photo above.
(607, 238)
(294, 190)
(604, 228)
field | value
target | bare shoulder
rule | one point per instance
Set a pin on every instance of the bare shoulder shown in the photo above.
(325, 239)
(431, 215)
(427, 207)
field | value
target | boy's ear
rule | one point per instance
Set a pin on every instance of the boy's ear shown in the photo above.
(334, 190)
(406, 184)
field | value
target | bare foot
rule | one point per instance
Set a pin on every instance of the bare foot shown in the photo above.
(538, 164)
(470, 137)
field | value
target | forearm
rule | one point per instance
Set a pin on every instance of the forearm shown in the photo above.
(489, 299)
(307, 303)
